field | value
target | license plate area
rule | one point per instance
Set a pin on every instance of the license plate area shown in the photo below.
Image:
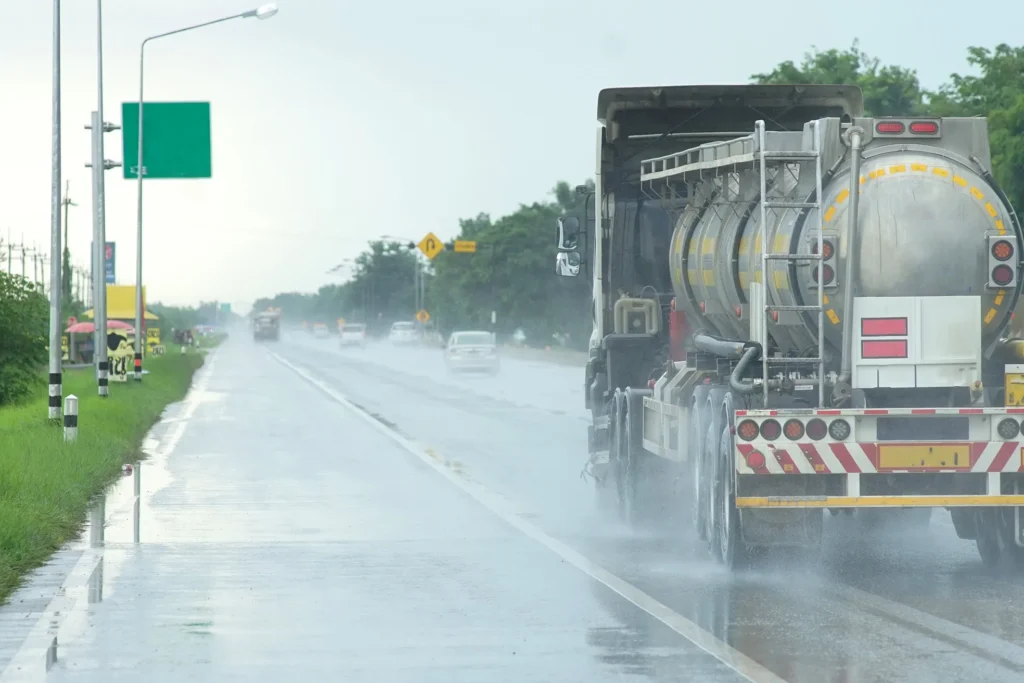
(924, 456)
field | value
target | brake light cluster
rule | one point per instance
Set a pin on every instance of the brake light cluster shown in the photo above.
(795, 429)
(828, 269)
(893, 127)
(1002, 268)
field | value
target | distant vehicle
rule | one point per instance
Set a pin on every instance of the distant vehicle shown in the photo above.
(266, 325)
(403, 333)
(472, 350)
(353, 334)
(320, 331)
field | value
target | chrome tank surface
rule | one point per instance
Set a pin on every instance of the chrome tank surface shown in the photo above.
(923, 221)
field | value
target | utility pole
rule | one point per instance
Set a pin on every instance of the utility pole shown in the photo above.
(56, 400)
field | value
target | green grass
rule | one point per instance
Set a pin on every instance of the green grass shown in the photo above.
(46, 485)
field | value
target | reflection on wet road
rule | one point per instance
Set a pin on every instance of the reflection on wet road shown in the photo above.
(285, 535)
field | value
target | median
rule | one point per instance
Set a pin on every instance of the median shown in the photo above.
(46, 485)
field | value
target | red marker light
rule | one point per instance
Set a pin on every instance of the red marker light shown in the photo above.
(755, 460)
(924, 128)
(890, 127)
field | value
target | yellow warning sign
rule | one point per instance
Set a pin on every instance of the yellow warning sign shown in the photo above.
(465, 246)
(431, 246)
(423, 316)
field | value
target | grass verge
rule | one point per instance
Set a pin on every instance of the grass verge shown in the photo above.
(46, 485)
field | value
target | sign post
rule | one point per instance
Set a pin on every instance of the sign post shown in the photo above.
(176, 145)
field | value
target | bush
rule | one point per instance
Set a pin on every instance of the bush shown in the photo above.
(24, 316)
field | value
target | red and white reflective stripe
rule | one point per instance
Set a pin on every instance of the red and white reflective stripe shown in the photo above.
(857, 412)
(853, 458)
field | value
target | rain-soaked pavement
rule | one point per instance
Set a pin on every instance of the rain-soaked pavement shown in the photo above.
(312, 513)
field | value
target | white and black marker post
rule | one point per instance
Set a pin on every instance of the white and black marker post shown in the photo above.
(56, 272)
(70, 419)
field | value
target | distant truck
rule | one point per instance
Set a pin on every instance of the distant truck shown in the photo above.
(266, 325)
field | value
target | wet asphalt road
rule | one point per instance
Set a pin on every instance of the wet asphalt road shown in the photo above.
(287, 536)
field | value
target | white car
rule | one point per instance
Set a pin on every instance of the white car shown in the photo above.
(353, 334)
(472, 350)
(320, 331)
(403, 333)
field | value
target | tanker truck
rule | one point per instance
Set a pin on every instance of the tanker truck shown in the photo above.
(799, 309)
(267, 325)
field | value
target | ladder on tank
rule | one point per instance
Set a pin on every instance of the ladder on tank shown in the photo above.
(669, 176)
(765, 158)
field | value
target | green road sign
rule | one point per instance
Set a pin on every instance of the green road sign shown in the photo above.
(177, 139)
(225, 308)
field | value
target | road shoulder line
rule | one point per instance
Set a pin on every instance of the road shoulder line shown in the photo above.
(732, 658)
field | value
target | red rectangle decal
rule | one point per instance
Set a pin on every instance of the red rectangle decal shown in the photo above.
(883, 327)
(894, 348)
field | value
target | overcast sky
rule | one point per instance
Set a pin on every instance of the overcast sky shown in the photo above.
(335, 122)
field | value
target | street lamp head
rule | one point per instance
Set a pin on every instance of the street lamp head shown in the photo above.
(265, 11)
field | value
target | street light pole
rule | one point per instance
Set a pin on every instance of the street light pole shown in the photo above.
(55, 399)
(99, 233)
(262, 12)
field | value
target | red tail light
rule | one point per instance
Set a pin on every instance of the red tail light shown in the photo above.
(826, 271)
(1002, 250)
(755, 460)
(747, 430)
(827, 249)
(890, 127)
(816, 429)
(1002, 275)
(794, 430)
(924, 128)
(771, 430)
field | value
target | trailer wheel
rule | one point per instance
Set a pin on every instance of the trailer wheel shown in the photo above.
(732, 550)
(995, 541)
(698, 504)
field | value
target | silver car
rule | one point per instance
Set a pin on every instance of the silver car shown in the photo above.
(472, 350)
(403, 333)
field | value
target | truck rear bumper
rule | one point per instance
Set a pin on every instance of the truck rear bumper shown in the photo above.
(909, 457)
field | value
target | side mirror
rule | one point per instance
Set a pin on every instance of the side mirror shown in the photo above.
(568, 232)
(567, 263)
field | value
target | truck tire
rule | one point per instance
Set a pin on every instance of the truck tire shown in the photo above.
(996, 545)
(643, 493)
(699, 418)
(731, 550)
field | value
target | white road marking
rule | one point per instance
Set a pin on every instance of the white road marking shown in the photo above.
(38, 652)
(732, 658)
(982, 644)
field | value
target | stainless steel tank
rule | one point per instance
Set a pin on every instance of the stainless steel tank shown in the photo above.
(924, 218)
